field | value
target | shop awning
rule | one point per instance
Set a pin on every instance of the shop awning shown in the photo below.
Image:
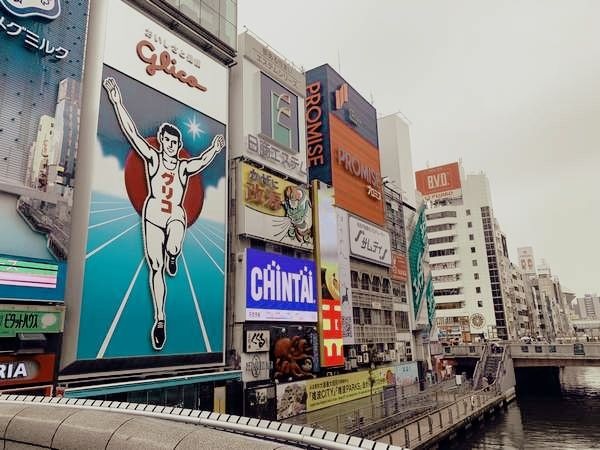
(155, 383)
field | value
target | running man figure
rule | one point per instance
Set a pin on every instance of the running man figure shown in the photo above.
(163, 215)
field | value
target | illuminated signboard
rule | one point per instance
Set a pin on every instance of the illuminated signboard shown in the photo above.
(330, 308)
(369, 242)
(43, 44)
(30, 319)
(280, 288)
(328, 94)
(26, 369)
(439, 182)
(157, 220)
(267, 97)
(274, 209)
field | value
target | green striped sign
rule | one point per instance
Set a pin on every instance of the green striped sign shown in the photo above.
(29, 321)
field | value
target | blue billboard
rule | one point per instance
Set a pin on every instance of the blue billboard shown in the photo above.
(280, 288)
(42, 48)
(154, 278)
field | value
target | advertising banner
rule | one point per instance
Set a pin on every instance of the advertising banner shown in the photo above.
(255, 366)
(42, 48)
(356, 173)
(399, 268)
(416, 250)
(280, 288)
(264, 81)
(275, 209)
(26, 369)
(30, 319)
(343, 257)
(154, 274)
(369, 242)
(439, 182)
(330, 308)
(294, 352)
(312, 395)
(258, 341)
(406, 373)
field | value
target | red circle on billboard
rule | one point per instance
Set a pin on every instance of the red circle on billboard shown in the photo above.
(137, 186)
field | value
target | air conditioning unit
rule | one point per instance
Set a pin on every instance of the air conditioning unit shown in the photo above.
(365, 358)
(352, 353)
(363, 347)
(359, 359)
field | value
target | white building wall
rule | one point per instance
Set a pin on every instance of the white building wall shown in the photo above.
(466, 224)
(395, 155)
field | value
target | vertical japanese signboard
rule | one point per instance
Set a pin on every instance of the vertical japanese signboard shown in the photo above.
(330, 309)
(42, 48)
(343, 259)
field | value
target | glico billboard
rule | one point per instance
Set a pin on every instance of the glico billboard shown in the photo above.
(342, 143)
(267, 106)
(439, 182)
(154, 268)
(42, 50)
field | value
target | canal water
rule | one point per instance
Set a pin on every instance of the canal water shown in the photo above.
(566, 420)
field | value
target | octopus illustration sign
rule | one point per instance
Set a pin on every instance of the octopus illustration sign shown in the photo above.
(274, 209)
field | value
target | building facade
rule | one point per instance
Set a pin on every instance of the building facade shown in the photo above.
(468, 256)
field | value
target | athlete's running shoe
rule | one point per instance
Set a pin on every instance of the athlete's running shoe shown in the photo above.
(158, 335)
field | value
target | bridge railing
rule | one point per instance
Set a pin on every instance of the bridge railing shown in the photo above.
(475, 350)
(578, 350)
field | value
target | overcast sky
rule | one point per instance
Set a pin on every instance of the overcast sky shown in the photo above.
(512, 87)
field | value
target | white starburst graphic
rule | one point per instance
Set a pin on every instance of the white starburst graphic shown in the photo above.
(193, 127)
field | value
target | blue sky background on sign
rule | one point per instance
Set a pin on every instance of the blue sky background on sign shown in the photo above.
(117, 312)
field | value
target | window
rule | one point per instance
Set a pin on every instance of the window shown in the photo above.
(364, 282)
(366, 316)
(474, 263)
(401, 318)
(470, 224)
(375, 283)
(354, 279)
(445, 252)
(356, 315)
(471, 237)
(480, 303)
(376, 317)
(476, 276)
(387, 317)
(478, 290)
(472, 249)
(385, 287)
(468, 212)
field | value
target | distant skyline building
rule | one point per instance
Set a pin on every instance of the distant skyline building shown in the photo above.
(588, 306)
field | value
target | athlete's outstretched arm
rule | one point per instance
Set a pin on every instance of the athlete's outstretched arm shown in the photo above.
(125, 120)
(195, 165)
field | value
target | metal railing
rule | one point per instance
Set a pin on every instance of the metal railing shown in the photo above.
(366, 417)
(578, 350)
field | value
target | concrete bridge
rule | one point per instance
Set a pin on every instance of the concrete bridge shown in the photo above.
(28, 422)
(537, 354)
